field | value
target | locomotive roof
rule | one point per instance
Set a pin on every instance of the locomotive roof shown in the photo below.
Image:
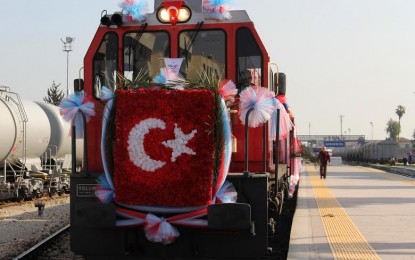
(237, 16)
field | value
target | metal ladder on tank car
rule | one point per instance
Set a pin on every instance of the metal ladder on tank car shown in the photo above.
(7, 96)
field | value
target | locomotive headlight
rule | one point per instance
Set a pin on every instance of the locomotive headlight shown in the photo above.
(173, 14)
(184, 14)
(163, 16)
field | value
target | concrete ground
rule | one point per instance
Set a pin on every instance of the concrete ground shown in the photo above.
(356, 213)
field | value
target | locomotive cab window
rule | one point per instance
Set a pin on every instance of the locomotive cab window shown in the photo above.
(203, 51)
(144, 53)
(248, 59)
(105, 64)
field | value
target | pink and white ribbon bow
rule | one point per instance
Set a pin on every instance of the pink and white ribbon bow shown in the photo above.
(72, 109)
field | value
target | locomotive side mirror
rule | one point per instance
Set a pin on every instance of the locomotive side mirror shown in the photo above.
(78, 85)
(280, 83)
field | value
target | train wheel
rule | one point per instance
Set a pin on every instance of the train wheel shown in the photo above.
(38, 193)
(20, 195)
(51, 192)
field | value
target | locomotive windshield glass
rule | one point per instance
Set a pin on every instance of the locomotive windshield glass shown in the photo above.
(203, 51)
(105, 64)
(144, 53)
(248, 59)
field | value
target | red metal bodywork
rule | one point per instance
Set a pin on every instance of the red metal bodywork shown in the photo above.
(255, 135)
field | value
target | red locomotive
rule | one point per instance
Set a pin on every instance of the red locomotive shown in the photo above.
(180, 161)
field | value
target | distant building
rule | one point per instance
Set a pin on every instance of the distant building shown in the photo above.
(336, 143)
(404, 147)
(356, 148)
(379, 151)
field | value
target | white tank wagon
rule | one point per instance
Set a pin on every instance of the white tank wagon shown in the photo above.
(60, 139)
(35, 146)
(35, 129)
(354, 152)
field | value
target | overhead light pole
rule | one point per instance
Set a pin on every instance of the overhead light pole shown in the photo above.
(371, 124)
(309, 132)
(67, 47)
(341, 126)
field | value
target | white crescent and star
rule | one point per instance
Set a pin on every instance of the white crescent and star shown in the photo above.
(179, 143)
(136, 144)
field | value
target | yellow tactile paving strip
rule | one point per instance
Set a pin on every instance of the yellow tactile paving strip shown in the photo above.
(346, 241)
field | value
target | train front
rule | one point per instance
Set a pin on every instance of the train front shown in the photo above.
(166, 173)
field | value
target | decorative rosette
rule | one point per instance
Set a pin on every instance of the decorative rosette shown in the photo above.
(135, 11)
(227, 193)
(159, 230)
(218, 9)
(228, 90)
(168, 77)
(74, 107)
(104, 191)
(263, 102)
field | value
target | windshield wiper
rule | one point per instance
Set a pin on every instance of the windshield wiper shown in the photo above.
(137, 38)
(193, 37)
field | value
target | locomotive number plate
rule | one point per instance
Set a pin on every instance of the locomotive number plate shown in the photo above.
(85, 190)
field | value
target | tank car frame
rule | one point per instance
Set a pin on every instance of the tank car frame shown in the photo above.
(34, 134)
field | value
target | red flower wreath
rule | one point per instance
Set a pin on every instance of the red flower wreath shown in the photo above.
(186, 118)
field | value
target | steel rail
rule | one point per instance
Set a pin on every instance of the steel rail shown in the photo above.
(36, 247)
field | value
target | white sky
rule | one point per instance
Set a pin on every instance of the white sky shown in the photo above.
(342, 57)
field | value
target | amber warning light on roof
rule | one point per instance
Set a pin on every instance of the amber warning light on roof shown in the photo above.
(173, 12)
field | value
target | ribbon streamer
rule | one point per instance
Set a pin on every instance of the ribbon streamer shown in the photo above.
(106, 95)
(285, 123)
(227, 149)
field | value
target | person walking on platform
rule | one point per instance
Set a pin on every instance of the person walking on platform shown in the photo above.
(323, 158)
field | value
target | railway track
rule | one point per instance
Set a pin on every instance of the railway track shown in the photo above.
(36, 250)
(407, 172)
(10, 202)
(404, 174)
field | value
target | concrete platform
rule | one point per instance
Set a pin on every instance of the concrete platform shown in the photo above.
(356, 213)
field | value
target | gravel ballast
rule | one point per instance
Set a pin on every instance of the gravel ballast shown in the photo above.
(21, 226)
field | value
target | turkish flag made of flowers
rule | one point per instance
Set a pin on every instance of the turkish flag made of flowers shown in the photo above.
(164, 147)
